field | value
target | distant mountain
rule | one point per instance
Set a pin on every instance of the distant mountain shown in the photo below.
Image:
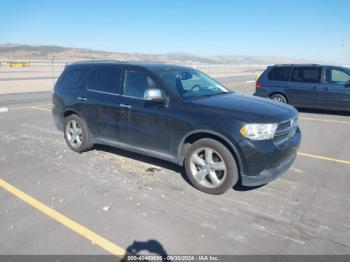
(68, 54)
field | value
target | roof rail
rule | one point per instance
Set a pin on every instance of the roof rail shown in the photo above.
(300, 64)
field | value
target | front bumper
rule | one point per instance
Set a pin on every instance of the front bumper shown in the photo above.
(261, 92)
(265, 161)
(270, 174)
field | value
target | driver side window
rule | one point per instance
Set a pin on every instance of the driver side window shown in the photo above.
(337, 77)
(136, 83)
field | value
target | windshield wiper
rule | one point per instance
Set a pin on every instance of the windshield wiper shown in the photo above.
(215, 94)
(221, 93)
(209, 95)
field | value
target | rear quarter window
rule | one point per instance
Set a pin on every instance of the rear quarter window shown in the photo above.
(279, 74)
(73, 77)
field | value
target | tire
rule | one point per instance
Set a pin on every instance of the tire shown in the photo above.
(211, 167)
(279, 98)
(77, 134)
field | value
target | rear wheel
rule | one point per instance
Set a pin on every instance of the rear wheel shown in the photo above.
(279, 98)
(211, 167)
(77, 134)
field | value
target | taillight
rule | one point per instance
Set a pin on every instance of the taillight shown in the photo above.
(257, 85)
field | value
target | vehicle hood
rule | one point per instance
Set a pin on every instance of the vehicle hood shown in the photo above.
(249, 108)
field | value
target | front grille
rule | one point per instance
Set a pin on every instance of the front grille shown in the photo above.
(286, 130)
(287, 125)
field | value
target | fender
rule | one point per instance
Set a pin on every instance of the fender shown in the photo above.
(237, 156)
(75, 112)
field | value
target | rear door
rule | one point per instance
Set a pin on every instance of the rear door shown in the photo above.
(305, 85)
(70, 86)
(335, 89)
(101, 101)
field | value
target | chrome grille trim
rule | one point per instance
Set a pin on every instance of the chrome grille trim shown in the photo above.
(285, 131)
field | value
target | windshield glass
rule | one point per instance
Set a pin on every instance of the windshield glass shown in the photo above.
(192, 83)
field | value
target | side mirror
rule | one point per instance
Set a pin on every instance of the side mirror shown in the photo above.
(154, 94)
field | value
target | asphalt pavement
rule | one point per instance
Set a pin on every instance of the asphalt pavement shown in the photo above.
(146, 205)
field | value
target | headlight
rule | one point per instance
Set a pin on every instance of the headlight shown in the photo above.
(259, 131)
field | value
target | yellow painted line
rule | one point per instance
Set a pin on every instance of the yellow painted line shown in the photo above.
(324, 120)
(324, 158)
(40, 108)
(26, 107)
(69, 223)
(18, 108)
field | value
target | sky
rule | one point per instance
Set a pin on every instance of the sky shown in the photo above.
(304, 29)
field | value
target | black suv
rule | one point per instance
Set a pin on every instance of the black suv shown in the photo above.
(307, 86)
(180, 115)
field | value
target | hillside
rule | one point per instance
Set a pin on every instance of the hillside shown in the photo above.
(45, 53)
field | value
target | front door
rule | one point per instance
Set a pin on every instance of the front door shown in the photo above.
(336, 90)
(143, 124)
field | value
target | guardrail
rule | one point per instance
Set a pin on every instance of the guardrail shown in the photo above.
(216, 70)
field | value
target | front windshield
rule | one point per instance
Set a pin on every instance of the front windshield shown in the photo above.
(192, 83)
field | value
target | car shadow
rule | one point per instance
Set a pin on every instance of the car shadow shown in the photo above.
(152, 247)
(146, 159)
(164, 164)
(241, 188)
(323, 112)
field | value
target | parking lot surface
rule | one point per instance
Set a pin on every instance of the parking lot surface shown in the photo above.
(146, 205)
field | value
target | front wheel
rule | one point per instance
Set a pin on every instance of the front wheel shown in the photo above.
(211, 167)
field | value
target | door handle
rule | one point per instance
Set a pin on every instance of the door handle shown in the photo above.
(81, 98)
(125, 106)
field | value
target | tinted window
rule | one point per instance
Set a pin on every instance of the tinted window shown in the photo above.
(334, 76)
(106, 80)
(306, 74)
(136, 83)
(73, 78)
(279, 73)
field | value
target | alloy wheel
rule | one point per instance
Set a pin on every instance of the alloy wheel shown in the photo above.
(278, 99)
(74, 133)
(208, 167)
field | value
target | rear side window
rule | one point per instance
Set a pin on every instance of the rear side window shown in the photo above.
(106, 80)
(279, 73)
(306, 74)
(73, 78)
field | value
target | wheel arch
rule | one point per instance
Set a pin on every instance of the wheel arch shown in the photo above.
(193, 136)
(69, 111)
